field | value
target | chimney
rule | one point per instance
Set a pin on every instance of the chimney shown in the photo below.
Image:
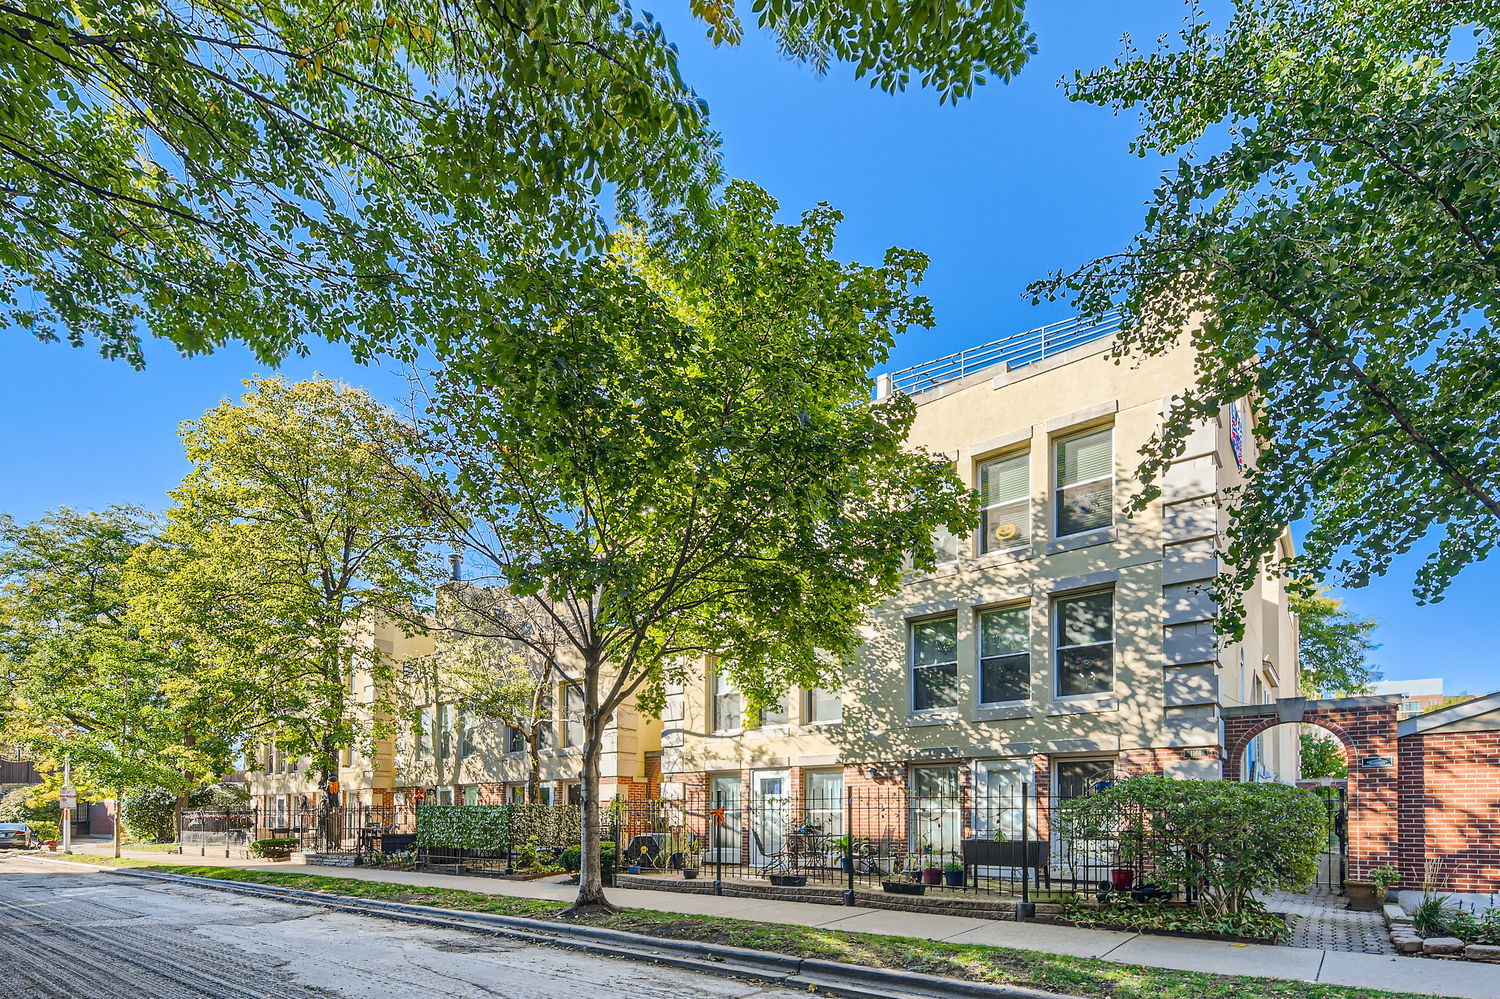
(456, 560)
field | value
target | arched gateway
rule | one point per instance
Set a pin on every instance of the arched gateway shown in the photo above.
(1366, 727)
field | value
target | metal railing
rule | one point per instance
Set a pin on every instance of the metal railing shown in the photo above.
(1017, 350)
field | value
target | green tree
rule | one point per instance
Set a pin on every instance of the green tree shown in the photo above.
(82, 680)
(1322, 756)
(678, 459)
(1326, 237)
(290, 537)
(274, 172)
(1333, 647)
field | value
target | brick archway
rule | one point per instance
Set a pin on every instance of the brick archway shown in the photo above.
(1366, 726)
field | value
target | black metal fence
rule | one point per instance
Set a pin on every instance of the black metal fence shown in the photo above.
(1003, 842)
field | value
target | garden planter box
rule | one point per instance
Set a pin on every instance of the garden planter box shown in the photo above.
(788, 880)
(903, 887)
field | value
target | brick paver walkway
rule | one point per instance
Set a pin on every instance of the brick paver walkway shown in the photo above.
(1320, 921)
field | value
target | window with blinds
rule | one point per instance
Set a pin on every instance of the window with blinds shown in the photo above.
(1005, 492)
(1085, 482)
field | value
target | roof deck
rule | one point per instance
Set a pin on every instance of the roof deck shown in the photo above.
(1016, 350)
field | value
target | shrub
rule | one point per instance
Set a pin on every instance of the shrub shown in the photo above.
(1433, 916)
(468, 827)
(1227, 840)
(1139, 916)
(1385, 877)
(571, 858)
(149, 814)
(46, 831)
(222, 795)
(19, 806)
(279, 846)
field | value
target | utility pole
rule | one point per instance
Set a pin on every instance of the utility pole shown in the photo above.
(68, 799)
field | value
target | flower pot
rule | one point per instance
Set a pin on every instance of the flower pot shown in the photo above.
(1363, 896)
(953, 879)
(932, 875)
(846, 865)
(902, 888)
(633, 869)
(788, 880)
(689, 873)
(1120, 878)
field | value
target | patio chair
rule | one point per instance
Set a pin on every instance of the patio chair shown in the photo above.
(775, 863)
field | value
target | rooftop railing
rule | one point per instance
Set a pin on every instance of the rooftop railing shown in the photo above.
(1016, 350)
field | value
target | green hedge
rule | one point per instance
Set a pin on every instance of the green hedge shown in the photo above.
(572, 857)
(496, 827)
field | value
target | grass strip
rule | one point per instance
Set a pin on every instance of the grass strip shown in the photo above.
(1079, 976)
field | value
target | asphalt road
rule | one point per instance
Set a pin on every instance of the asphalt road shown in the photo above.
(85, 935)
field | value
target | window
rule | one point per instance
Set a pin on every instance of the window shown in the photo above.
(1085, 630)
(426, 732)
(825, 800)
(1076, 778)
(574, 793)
(728, 704)
(445, 733)
(516, 794)
(515, 740)
(934, 664)
(471, 795)
(944, 545)
(822, 706)
(1085, 483)
(776, 712)
(935, 812)
(572, 727)
(1005, 655)
(999, 786)
(546, 734)
(1005, 492)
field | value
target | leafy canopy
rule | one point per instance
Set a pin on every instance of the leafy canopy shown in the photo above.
(1322, 755)
(1333, 647)
(672, 454)
(81, 679)
(274, 172)
(291, 536)
(1327, 235)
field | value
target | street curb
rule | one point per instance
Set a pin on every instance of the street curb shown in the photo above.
(835, 978)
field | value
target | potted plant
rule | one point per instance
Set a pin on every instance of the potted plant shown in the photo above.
(1362, 896)
(932, 874)
(1385, 878)
(689, 873)
(953, 874)
(903, 887)
(788, 880)
(847, 846)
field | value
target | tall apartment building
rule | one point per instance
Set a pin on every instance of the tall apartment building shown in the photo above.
(1062, 640)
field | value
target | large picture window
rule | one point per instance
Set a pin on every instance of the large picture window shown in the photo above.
(934, 664)
(825, 800)
(823, 706)
(1005, 492)
(1085, 628)
(1085, 482)
(572, 726)
(1005, 655)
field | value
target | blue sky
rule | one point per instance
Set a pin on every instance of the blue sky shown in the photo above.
(1000, 190)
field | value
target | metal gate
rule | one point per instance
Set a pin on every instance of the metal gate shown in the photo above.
(1333, 863)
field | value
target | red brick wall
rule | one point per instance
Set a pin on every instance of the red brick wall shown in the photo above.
(1365, 729)
(1450, 809)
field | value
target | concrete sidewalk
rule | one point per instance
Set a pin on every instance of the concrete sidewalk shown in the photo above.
(1416, 975)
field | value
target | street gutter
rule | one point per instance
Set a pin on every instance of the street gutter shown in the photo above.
(832, 977)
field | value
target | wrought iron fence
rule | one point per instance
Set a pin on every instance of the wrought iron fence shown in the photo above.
(1000, 841)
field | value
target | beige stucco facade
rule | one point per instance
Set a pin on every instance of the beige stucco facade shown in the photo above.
(1171, 673)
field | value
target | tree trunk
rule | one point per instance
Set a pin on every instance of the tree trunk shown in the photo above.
(534, 763)
(591, 899)
(328, 810)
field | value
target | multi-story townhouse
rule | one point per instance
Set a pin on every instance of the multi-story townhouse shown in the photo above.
(432, 748)
(1064, 639)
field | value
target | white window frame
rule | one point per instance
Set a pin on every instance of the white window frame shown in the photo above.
(980, 657)
(720, 687)
(988, 815)
(1058, 646)
(570, 727)
(982, 546)
(1057, 484)
(827, 812)
(809, 712)
(912, 666)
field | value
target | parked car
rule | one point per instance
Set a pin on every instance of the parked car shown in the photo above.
(16, 835)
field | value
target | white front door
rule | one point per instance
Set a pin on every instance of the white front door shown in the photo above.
(725, 829)
(771, 800)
